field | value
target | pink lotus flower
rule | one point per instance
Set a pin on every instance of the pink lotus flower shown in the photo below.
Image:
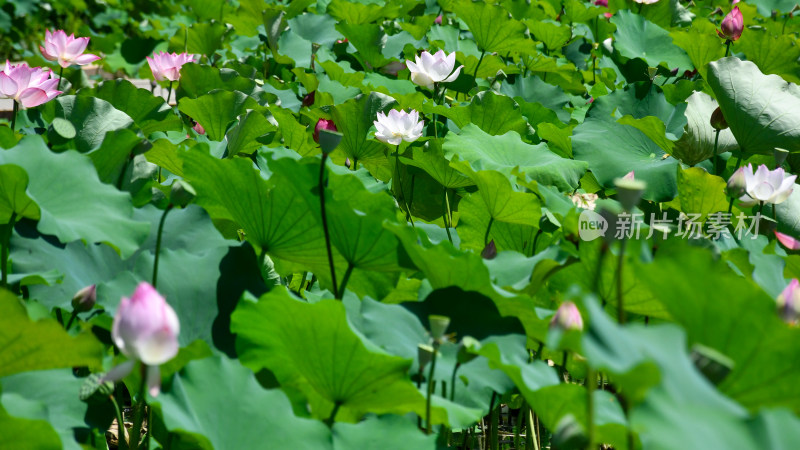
(629, 176)
(145, 329)
(787, 241)
(567, 317)
(438, 20)
(323, 124)
(789, 302)
(67, 50)
(166, 66)
(732, 25)
(199, 128)
(28, 86)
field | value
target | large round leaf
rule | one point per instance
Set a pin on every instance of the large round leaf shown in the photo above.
(311, 347)
(74, 203)
(221, 405)
(763, 111)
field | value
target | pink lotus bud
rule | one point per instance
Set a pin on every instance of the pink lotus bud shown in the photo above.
(85, 299)
(567, 317)
(490, 251)
(718, 121)
(732, 25)
(308, 100)
(27, 86)
(167, 66)
(199, 128)
(67, 50)
(603, 3)
(789, 302)
(438, 20)
(393, 68)
(629, 176)
(323, 124)
(787, 241)
(146, 329)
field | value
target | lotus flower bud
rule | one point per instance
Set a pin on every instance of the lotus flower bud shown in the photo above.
(789, 302)
(438, 20)
(718, 120)
(182, 193)
(145, 329)
(438, 326)
(732, 25)
(323, 124)
(308, 100)
(787, 241)
(85, 299)
(673, 72)
(629, 191)
(567, 317)
(490, 251)
(199, 128)
(737, 184)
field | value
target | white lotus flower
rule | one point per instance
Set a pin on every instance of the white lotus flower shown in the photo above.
(434, 68)
(766, 186)
(398, 126)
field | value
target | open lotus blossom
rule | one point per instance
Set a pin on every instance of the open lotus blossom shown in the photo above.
(436, 68)
(166, 66)
(398, 126)
(732, 25)
(789, 302)
(145, 329)
(67, 50)
(766, 186)
(567, 317)
(28, 86)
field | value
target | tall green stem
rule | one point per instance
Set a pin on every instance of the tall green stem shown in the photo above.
(5, 243)
(169, 93)
(60, 73)
(494, 425)
(475, 75)
(728, 47)
(488, 230)
(428, 424)
(591, 384)
(345, 279)
(620, 302)
(738, 162)
(141, 405)
(122, 442)
(158, 243)
(716, 156)
(325, 223)
(14, 116)
(400, 184)
(448, 219)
